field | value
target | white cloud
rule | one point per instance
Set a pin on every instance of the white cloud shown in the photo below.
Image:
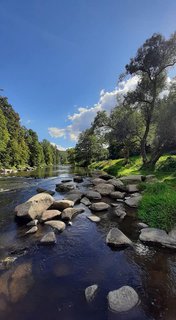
(83, 118)
(59, 147)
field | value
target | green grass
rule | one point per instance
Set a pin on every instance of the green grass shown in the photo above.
(158, 205)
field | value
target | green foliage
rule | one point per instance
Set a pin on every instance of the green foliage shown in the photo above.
(168, 165)
(158, 206)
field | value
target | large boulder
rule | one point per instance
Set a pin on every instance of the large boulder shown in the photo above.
(158, 236)
(133, 202)
(117, 238)
(74, 196)
(64, 187)
(69, 213)
(90, 292)
(34, 207)
(104, 189)
(123, 299)
(93, 195)
(99, 206)
(58, 225)
(48, 238)
(132, 179)
(117, 195)
(62, 204)
(50, 215)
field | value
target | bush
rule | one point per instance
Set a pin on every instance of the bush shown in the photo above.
(168, 165)
(158, 206)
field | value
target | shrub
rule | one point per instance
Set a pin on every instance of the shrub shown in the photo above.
(158, 206)
(168, 165)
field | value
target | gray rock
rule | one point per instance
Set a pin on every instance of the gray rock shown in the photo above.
(123, 299)
(32, 223)
(66, 180)
(58, 225)
(99, 206)
(94, 218)
(63, 187)
(62, 204)
(133, 201)
(116, 183)
(85, 201)
(117, 195)
(97, 181)
(34, 229)
(172, 233)
(78, 179)
(41, 190)
(50, 214)
(158, 236)
(69, 213)
(104, 189)
(74, 196)
(142, 225)
(132, 188)
(120, 211)
(90, 292)
(93, 195)
(34, 207)
(48, 238)
(132, 179)
(117, 238)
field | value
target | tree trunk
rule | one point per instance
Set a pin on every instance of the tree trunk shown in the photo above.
(144, 142)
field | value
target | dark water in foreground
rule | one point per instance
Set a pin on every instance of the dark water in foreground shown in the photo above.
(54, 278)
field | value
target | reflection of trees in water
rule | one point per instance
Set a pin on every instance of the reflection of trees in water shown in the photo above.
(158, 281)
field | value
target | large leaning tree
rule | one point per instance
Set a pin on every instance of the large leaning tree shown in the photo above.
(151, 64)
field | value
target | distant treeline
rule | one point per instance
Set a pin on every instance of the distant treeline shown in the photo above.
(20, 147)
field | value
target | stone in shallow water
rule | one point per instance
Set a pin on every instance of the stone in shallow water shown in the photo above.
(63, 187)
(123, 299)
(90, 292)
(158, 236)
(78, 179)
(99, 206)
(48, 238)
(41, 190)
(120, 211)
(85, 201)
(69, 213)
(94, 218)
(58, 225)
(104, 189)
(32, 223)
(34, 229)
(50, 214)
(93, 195)
(62, 204)
(117, 238)
(117, 195)
(97, 181)
(133, 202)
(132, 188)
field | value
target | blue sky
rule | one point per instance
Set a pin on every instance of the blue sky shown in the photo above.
(60, 59)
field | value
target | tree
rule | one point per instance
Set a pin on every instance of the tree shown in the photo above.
(4, 135)
(150, 64)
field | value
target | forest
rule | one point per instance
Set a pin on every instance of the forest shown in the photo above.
(19, 146)
(144, 120)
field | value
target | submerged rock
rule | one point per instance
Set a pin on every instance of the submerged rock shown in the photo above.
(133, 201)
(90, 292)
(99, 206)
(34, 206)
(66, 180)
(117, 238)
(123, 299)
(34, 229)
(50, 214)
(48, 238)
(58, 225)
(158, 236)
(104, 189)
(62, 204)
(94, 218)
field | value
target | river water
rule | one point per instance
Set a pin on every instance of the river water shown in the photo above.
(49, 282)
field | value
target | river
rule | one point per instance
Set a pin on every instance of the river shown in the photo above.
(57, 276)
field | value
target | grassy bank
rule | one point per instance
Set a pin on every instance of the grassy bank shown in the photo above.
(158, 204)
